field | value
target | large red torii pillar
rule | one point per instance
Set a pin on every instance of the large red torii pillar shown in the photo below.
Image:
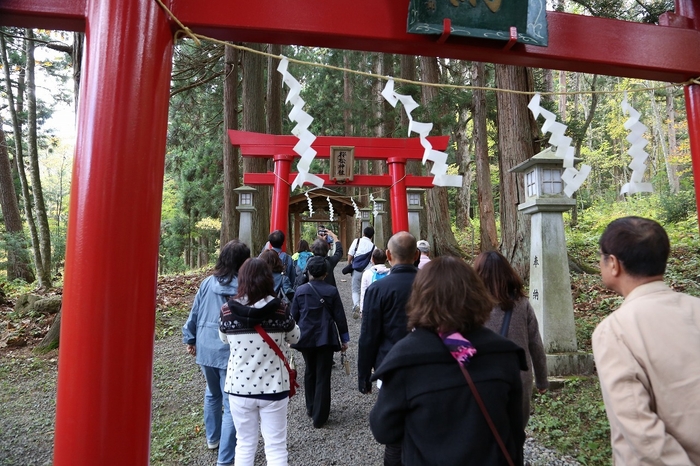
(396, 151)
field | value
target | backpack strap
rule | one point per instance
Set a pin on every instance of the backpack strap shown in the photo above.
(506, 322)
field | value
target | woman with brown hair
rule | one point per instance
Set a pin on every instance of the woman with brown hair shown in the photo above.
(514, 318)
(257, 380)
(425, 402)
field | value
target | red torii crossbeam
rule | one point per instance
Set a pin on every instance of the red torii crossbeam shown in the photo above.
(106, 353)
(396, 152)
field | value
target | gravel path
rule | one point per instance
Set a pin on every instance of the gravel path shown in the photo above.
(27, 410)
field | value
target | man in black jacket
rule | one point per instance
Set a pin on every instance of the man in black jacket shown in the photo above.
(384, 320)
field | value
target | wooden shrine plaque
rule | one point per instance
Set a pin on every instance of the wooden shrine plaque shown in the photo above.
(485, 19)
(342, 160)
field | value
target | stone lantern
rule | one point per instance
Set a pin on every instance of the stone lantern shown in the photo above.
(365, 217)
(550, 283)
(415, 205)
(379, 222)
(246, 206)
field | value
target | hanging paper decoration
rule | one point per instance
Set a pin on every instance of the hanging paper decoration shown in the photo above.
(639, 155)
(374, 205)
(301, 131)
(357, 211)
(330, 209)
(438, 158)
(311, 204)
(572, 177)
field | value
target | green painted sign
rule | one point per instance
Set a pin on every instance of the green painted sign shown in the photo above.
(484, 19)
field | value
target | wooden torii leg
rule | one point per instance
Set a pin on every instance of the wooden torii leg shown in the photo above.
(692, 104)
(103, 413)
(279, 215)
(397, 192)
(691, 9)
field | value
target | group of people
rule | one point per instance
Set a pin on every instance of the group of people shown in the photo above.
(243, 320)
(454, 350)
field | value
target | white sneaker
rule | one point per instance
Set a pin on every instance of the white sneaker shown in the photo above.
(213, 446)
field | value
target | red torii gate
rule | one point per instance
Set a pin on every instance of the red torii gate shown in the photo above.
(396, 152)
(106, 353)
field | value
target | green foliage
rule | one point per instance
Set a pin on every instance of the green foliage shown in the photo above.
(572, 420)
(15, 288)
(677, 207)
(193, 187)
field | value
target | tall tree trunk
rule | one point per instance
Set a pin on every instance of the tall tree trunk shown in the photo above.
(274, 92)
(671, 166)
(18, 262)
(487, 215)
(581, 136)
(77, 58)
(463, 159)
(33, 153)
(548, 77)
(230, 217)
(562, 97)
(17, 109)
(254, 120)
(440, 235)
(515, 143)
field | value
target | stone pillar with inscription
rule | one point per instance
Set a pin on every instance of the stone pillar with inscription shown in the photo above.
(550, 283)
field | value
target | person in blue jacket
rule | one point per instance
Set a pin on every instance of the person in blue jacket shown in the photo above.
(318, 309)
(201, 335)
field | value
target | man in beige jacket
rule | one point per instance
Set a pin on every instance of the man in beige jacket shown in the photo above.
(648, 351)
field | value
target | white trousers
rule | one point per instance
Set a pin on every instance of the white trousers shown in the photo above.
(356, 286)
(251, 415)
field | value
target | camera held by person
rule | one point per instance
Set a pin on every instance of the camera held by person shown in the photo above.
(323, 234)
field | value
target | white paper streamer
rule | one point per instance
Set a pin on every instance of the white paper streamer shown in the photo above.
(639, 155)
(303, 120)
(572, 177)
(330, 209)
(311, 204)
(374, 205)
(357, 210)
(439, 169)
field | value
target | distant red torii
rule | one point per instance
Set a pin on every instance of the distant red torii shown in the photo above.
(396, 152)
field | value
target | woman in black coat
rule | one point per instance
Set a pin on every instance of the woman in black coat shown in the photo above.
(425, 403)
(319, 311)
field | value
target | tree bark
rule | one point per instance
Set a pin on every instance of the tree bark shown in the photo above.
(254, 120)
(77, 58)
(562, 97)
(51, 339)
(671, 167)
(16, 109)
(230, 217)
(33, 153)
(18, 262)
(487, 213)
(440, 236)
(463, 203)
(515, 142)
(581, 136)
